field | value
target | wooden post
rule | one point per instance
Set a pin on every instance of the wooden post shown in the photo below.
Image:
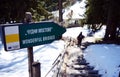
(28, 19)
(36, 69)
(60, 11)
(30, 60)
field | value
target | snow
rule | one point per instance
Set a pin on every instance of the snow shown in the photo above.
(104, 57)
(78, 11)
(74, 32)
(15, 63)
(101, 33)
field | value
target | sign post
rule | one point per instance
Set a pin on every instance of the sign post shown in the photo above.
(17, 36)
(30, 60)
(28, 19)
(60, 11)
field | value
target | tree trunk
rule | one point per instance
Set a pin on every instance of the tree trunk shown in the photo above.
(112, 20)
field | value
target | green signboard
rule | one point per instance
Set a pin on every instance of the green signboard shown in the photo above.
(28, 35)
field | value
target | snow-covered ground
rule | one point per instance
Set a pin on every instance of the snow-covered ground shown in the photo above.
(103, 56)
(78, 11)
(15, 63)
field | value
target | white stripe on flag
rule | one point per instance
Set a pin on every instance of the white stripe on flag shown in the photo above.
(11, 30)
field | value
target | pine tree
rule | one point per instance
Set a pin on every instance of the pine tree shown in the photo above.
(106, 12)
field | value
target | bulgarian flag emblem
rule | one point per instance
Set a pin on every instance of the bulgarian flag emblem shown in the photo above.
(12, 37)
